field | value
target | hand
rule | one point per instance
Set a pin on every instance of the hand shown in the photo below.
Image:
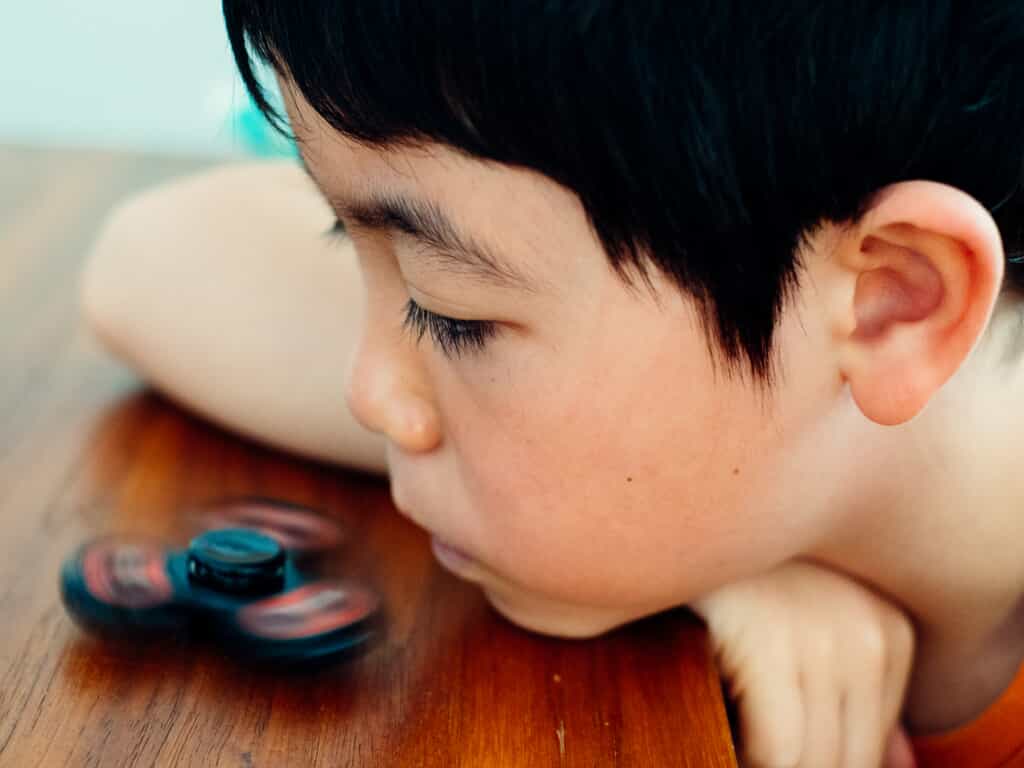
(817, 665)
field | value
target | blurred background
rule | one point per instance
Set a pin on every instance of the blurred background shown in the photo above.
(125, 74)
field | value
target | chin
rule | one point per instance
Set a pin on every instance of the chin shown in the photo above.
(564, 620)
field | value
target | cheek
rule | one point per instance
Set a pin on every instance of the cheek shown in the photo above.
(630, 496)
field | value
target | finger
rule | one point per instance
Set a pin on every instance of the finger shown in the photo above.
(824, 702)
(772, 728)
(865, 728)
(899, 659)
(764, 682)
(876, 685)
(771, 708)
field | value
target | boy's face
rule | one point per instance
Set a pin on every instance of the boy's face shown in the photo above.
(588, 456)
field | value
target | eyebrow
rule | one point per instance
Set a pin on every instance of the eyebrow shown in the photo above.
(425, 222)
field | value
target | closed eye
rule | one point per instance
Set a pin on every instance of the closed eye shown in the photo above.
(451, 336)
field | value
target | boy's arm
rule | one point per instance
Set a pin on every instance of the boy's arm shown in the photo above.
(221, 290)
(818, 666)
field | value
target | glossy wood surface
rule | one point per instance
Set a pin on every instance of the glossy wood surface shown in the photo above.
(85, 450)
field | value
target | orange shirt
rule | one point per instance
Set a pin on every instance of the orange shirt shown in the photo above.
(995, 739)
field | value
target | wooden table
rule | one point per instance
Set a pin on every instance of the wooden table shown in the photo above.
(85, 449)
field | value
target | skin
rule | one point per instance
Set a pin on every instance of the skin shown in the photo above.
(597, 464)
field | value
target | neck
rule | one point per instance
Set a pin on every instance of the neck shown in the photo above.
(942, 530)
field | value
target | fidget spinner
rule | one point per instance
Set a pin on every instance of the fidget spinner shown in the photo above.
(240, 579)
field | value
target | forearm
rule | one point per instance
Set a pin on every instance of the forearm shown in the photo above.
(221, 292)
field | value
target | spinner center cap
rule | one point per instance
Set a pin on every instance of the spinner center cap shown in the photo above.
(236, 561)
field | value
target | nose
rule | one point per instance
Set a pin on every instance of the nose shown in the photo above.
(389, 393)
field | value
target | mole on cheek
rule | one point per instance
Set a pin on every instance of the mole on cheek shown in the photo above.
(735, 470)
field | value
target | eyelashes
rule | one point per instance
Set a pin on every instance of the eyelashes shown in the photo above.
(452, 337)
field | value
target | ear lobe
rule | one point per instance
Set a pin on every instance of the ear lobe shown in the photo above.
(925, 264)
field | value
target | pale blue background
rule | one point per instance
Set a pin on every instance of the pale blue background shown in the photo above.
(153, 75)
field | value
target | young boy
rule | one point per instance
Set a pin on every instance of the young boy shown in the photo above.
(707, 303)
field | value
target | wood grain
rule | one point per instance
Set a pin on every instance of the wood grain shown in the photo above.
(85, 449)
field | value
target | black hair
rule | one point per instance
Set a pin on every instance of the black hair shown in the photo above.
(709, 138)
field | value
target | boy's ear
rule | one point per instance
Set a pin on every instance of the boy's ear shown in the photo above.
(922, 270)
